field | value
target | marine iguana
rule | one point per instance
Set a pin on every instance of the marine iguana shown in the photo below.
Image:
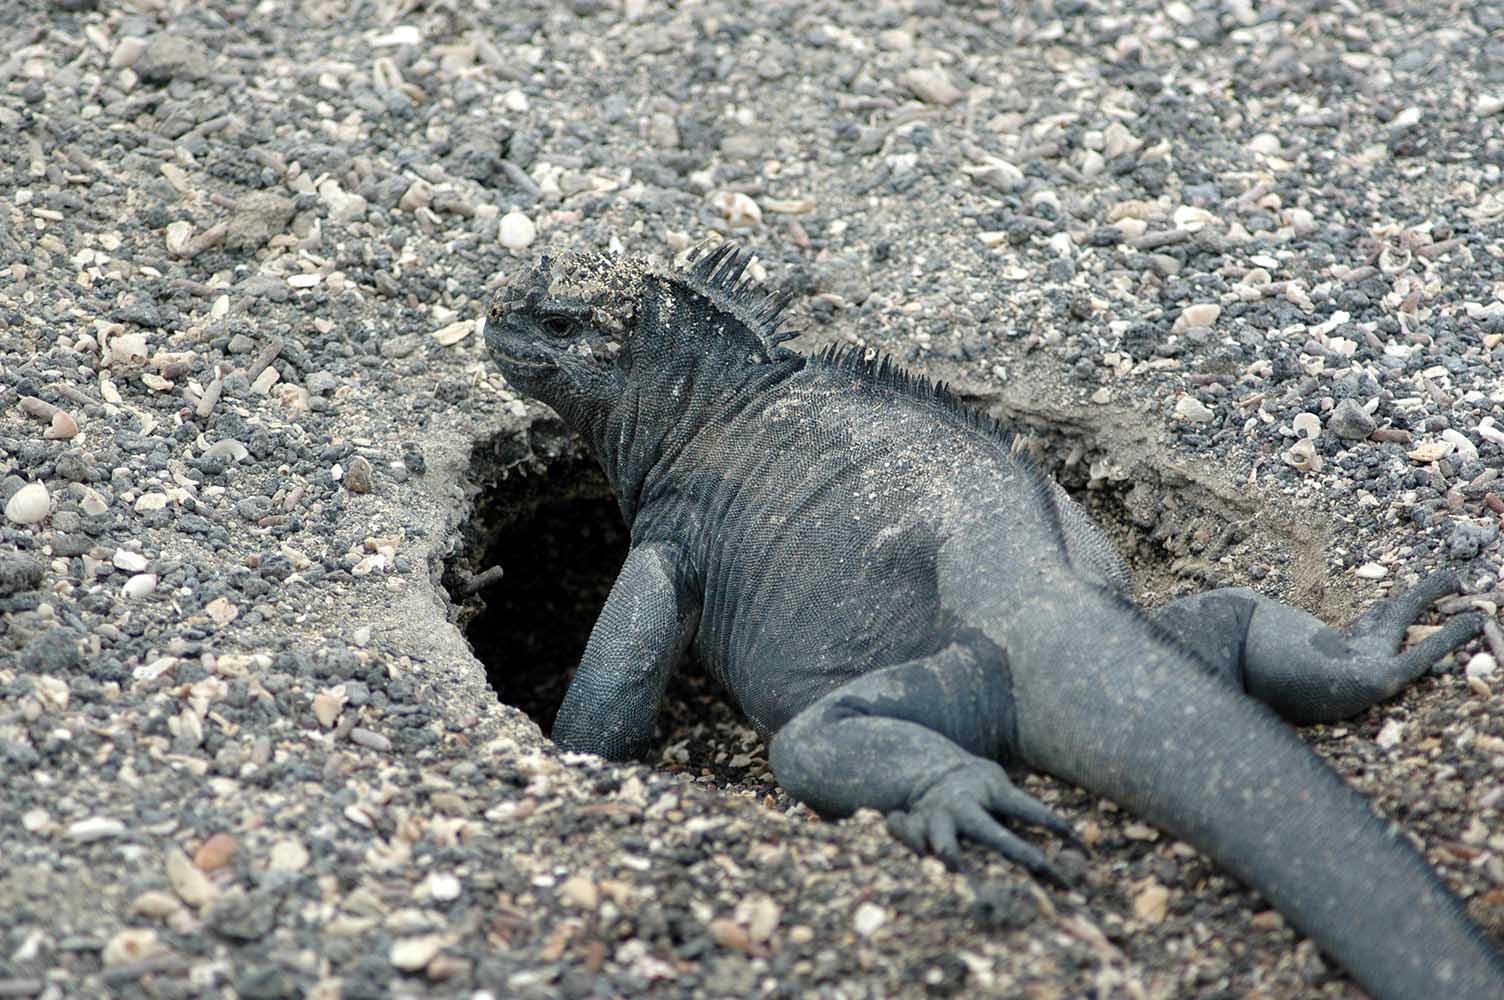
(898, 600)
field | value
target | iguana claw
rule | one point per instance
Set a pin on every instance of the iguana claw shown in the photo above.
(965, 801)
(1380, 630)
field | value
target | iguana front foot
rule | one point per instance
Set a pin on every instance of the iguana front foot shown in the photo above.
(965, 801)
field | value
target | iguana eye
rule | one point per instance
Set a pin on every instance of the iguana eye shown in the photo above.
(556, 325)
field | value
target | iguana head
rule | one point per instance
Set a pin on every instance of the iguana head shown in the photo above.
(555, 332)
(570, 331)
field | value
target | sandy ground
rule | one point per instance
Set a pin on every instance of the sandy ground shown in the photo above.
(1237, 268)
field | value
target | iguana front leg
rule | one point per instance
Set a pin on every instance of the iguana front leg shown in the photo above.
(641, 634)
(1304, 670)
(918, 741)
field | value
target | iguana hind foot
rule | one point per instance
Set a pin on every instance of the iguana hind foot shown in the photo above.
(968, 801)
(1302, 668)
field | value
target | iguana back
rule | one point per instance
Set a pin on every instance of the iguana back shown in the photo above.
(816, 506)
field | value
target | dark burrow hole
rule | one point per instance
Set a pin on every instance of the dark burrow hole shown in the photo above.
(544, 515)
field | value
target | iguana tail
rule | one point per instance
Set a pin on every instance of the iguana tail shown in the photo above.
(1200, 759)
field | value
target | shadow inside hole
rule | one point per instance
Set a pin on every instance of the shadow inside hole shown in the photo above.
(559, 563)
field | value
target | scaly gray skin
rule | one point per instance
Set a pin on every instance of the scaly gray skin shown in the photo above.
(898, 601)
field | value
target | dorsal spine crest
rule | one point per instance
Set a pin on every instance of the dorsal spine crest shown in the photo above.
(717, 276)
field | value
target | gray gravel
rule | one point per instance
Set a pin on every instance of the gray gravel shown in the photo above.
(1238, 268)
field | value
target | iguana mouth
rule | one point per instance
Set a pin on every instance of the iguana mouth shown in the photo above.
(519, 362)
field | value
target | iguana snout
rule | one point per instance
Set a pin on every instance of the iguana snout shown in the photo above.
(555, 329)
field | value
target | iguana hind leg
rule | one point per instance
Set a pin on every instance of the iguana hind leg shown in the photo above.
(918, 741)
(1300, 667)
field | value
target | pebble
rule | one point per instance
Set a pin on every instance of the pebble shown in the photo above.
(134, 944)
(358, 476)
(170, 57)
(1303, 456)
(1151, 902)
(579, 892)
(127, 51)
(343, 206)
(1481, 666)
(128, 349)
(131, 562)
(402, 34)
(265, 381)
(738, 209)
(729, 934)
(516, 231)
(221, 611)
(288, 856)
(743, 146)
(1200, 314)
(139, 586)
(412, 954)
(1193, 218)
(256, 218)
(63, 427)
(177, 237)
(1371, 571)
(445, 887)
(999, 174)
(215, 852)
(228, 449)
(1118, 141)
(1190, 408)
(1265, 144)
(87, 831)
(188, 880)
(932, 86)
(1431, 451)
(761, 915)
(327, 706)
(448, 336)
(868, 918)
(155, 903)
(369, 739)
(29, 505)
(663, 131)
(1350, 421)
(1489, 432)
(18, 573)
(419, 194)
(1307, 425)
(142, 312)
(1465, 449)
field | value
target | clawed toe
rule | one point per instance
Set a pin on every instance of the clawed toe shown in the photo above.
(1381, 629)
(964, 802)
(1457, 630)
